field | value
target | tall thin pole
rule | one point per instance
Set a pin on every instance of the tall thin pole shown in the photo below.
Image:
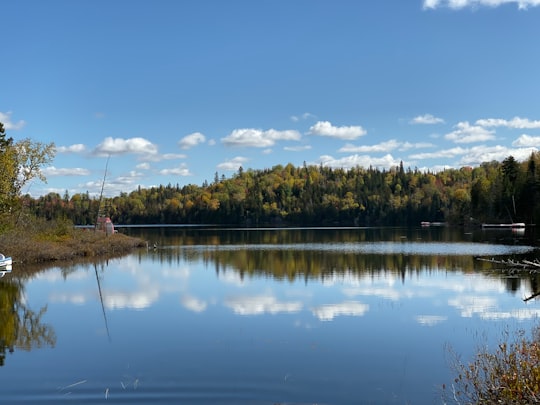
(101, 193)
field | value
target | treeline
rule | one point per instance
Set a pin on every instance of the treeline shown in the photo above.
(317, 195)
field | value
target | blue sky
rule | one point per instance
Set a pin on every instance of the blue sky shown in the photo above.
(175, 91)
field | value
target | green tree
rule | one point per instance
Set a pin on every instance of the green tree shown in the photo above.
(4, 143)
(510, 170)
(20, 162)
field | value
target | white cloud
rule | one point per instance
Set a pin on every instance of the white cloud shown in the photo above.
(459, 4)
(181, 170)
(304, 116)
(381, 147)
(466, 133)
(445, 153)
(479, 154)
(514, 123)
(436, 168)
(475, 155)
(233, 164)
(120, 146)
(297, 148)
(156, 157)
(257, 138)
(527, 141)
(126, 179)
(143, 166)
(173, 156)
(191, 140)
(426, 119)
(76, 148)
(349, 162)
(418, 145)
(387, 146)
(5, 118)
(431, 4)
(349, 308)
(52, 171)
(325, 128)
(113, 186)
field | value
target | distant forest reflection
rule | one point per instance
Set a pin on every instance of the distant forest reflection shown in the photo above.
(291, 254)
(292, 264)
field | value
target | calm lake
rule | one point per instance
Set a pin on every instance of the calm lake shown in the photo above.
(263, 316)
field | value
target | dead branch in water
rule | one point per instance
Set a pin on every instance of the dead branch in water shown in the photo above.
(523, 264)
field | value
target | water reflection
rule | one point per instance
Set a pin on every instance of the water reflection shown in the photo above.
(349, 308)
(315, 261)
(311, 319)
(263, 304)
(20, 327)
(188, 236)
(148, 275)
(361, 269)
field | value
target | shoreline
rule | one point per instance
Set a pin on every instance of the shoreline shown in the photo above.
(80, 244)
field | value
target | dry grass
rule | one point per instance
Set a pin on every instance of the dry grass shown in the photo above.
(40, 241)
(510, 374)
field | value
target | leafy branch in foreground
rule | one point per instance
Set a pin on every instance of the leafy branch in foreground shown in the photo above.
(509, 375)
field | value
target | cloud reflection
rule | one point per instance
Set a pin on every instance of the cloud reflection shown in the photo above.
(193, 304)
(231, 277)
(261, 304)
(518, 314)
(388, 293)
(77, 299)
(430, 320)
(349, 308)
(134, 300)
(470, 305)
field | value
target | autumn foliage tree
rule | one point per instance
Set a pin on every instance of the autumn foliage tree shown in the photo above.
(324, 196)
(20, 162)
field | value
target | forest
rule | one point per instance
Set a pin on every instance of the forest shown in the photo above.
(310, 195)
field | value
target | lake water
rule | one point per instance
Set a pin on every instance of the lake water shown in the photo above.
(262, 316)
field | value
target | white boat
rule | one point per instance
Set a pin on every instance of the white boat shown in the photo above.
(5, 265)
(509, 225)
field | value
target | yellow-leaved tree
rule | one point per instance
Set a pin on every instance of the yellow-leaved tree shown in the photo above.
(20, 162)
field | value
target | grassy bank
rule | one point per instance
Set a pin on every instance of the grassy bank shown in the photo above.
(37, 241)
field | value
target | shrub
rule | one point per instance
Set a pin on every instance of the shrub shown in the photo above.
(509, 375)
(32, 240)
